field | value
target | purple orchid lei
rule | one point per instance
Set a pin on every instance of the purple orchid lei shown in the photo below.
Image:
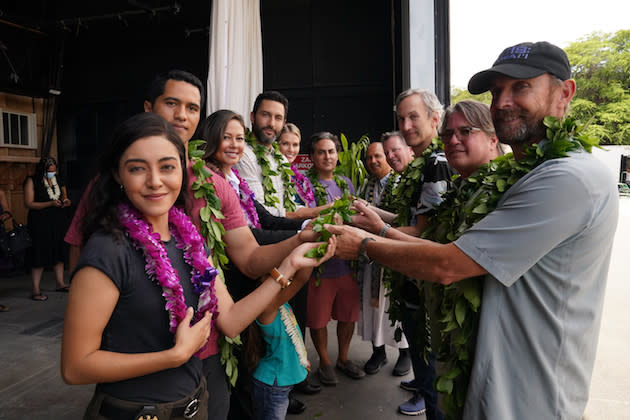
(158, 264)
(303, 187)
(247, 201)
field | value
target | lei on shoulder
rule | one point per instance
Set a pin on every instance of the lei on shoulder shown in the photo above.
(409, 181)
(52, 189)
(388, 198)
(283, 167)
(303, 186)
(212, 231)
(293, 331)
(401, 201)
(321, 195)
(246, 198)
(339, 209)
(454, 309)
(159, 268)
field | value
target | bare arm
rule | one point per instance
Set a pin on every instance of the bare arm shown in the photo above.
(29, 198)
(420, 259)
(234, 317)
(368, 219)
(92, 299)
(416, 230)
(64, 194)
(254, 260)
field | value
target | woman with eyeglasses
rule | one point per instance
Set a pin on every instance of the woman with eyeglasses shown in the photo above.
(469, 137)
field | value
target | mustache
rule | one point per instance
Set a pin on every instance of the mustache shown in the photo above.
(501, 114)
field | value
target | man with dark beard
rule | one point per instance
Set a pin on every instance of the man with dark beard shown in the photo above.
(545, 251)
(262, 165)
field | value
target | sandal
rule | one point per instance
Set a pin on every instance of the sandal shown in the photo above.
(351, 369)
(40, 297)
(65, 289)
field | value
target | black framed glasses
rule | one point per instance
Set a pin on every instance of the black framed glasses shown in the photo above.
(462, 133)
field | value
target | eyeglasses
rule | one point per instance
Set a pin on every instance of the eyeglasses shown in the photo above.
(462, 133)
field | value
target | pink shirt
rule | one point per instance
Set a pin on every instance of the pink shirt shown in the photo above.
(73, 235)
(231, 209)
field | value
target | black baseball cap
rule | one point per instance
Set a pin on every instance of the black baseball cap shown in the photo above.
(524, 61)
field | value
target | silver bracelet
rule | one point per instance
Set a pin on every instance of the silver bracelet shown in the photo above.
(384, 230)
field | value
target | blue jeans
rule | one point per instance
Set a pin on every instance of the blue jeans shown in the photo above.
(270, 402)
(423, 373)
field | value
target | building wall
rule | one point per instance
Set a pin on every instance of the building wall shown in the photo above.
(17, 163)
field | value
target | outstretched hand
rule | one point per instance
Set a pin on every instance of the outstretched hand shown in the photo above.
(297, 260)
(366, 218)
(348, 240)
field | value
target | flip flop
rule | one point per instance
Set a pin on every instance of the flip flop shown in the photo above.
(65, 289)
(39, 297)
(4, 308)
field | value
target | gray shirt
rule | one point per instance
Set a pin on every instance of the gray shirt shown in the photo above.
(547, 249)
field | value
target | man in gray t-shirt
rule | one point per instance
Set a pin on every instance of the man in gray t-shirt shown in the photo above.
(545, 251)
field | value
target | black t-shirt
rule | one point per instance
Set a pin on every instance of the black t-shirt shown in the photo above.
(435, 181)
(140, 322)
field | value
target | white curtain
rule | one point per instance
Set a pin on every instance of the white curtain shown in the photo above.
(235, 75)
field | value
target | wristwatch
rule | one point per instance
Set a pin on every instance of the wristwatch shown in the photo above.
(384, 230)
(279, 278)
(364, 258)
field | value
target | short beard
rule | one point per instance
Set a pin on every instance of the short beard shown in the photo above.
(260, 136)
(527, 132)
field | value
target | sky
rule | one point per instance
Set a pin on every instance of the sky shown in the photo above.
(481, 29)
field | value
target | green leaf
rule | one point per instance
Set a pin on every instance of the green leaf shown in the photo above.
(460, 312)
(444, 385)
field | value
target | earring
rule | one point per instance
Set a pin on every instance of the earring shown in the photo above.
(122, 188)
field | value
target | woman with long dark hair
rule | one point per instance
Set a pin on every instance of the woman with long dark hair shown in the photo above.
(144, 296)
(46, 198)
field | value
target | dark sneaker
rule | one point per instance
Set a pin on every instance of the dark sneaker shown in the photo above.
(378, 360)
(327, 375)
(351, 369)
(307, 388)
(409, 385)
(403, 364)
(414, 407)
(295, 406)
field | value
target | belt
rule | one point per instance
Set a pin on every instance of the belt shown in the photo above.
(187, 409)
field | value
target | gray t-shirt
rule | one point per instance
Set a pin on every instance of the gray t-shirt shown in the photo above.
(547, 248)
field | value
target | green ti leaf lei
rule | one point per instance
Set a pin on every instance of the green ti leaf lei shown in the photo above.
(388, 198)
(454, 309)
(404, 196)
(321, 196)
(340, 208)
(213, 231)
(284, 168)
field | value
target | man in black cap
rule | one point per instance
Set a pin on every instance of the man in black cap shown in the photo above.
(545, 251)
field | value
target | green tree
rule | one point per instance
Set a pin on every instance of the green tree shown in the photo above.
(458, 95)
(601, 69)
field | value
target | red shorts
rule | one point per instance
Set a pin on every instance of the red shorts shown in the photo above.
(336, 297)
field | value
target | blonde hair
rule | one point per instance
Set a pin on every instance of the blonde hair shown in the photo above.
(291, 128)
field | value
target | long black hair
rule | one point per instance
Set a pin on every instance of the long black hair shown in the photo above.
(106, 193)
(43, 165)
(212, 129)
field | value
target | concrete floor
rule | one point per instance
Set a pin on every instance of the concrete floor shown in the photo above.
(30, 340)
